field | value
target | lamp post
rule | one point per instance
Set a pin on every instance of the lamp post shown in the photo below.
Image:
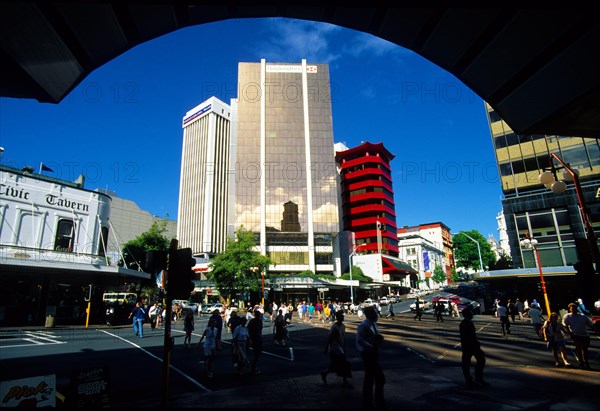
(254, 268)
(353, 253)
(548, 178)
(262, 275)
(531, 243)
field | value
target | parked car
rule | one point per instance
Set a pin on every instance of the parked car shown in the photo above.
(424, 305)
(474, 304)
(444, 298)
(383, 301)
(212, 307)
(368, 302)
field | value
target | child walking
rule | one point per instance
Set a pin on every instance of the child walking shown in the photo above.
(210, 345)
(188, 327)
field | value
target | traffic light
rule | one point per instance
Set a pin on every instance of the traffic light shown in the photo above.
(156, 261)
(179, 280)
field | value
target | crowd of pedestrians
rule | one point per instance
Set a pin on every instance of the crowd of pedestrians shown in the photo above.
(247, 333)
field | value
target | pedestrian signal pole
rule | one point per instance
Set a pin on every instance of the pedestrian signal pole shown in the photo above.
(167, 324)
(89, 305)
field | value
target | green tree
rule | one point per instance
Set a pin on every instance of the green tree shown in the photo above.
(239, 268)
(455, 277)
(134, 251)
(503, 263)
(357, 274)
(465, 250)
(439, 275)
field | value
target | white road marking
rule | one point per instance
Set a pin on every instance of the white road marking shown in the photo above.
(184, 375)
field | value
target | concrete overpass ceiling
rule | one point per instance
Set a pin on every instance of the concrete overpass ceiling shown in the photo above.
(538, 68)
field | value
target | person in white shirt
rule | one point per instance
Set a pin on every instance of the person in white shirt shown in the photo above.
(153, 313)
(577, 325)
(536, 319)
(503, 315)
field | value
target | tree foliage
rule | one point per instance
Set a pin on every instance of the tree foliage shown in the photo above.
(465, 250)
(239, 268)
(439, 275)
(455, 277)
(134, 251)
(503, 263)
(357, 274)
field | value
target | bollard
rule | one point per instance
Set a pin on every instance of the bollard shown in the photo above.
(291, 354)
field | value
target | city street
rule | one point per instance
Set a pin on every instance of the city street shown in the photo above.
(410, 346)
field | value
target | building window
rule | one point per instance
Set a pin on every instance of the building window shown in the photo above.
(103, 241)
(552, 230)
(65, 232)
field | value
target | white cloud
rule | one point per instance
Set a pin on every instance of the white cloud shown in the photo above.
(298, 39)
(367, 44)
(320, 42)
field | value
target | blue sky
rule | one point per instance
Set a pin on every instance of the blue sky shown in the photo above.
(121, 126)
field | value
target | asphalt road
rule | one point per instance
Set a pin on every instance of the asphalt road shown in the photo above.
(135, 365)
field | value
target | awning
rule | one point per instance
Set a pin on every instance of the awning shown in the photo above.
(393, 265)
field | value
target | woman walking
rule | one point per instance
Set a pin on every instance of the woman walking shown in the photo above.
(335, 347)
(210, 345)
(279, 328)
(554, 333)
(240, 344)
(188, 327)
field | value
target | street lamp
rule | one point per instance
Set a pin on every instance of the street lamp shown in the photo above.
(548, 178)
(255, 268)
(531, 243)
(262, 275)
(353, 253)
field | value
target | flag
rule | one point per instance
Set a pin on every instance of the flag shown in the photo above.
(44, 167)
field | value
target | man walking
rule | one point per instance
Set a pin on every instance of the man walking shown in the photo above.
(368, 341)
(536, 319)
(139, 315)
(419, 313)
(471, 347)
(391, 311)
(255, 327)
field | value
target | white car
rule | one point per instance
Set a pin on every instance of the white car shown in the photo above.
(423, 305)
(212, 307)
(384, 301)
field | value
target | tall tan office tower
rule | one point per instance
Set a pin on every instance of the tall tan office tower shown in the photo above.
(285, 155)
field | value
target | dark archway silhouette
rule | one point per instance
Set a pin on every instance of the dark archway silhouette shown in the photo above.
(537, 68)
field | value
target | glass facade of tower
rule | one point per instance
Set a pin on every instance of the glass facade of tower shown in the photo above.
(285, 156)
(554, 220)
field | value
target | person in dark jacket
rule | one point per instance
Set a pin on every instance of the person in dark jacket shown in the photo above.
(368, 342)
(471, 347)
(255, 326)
